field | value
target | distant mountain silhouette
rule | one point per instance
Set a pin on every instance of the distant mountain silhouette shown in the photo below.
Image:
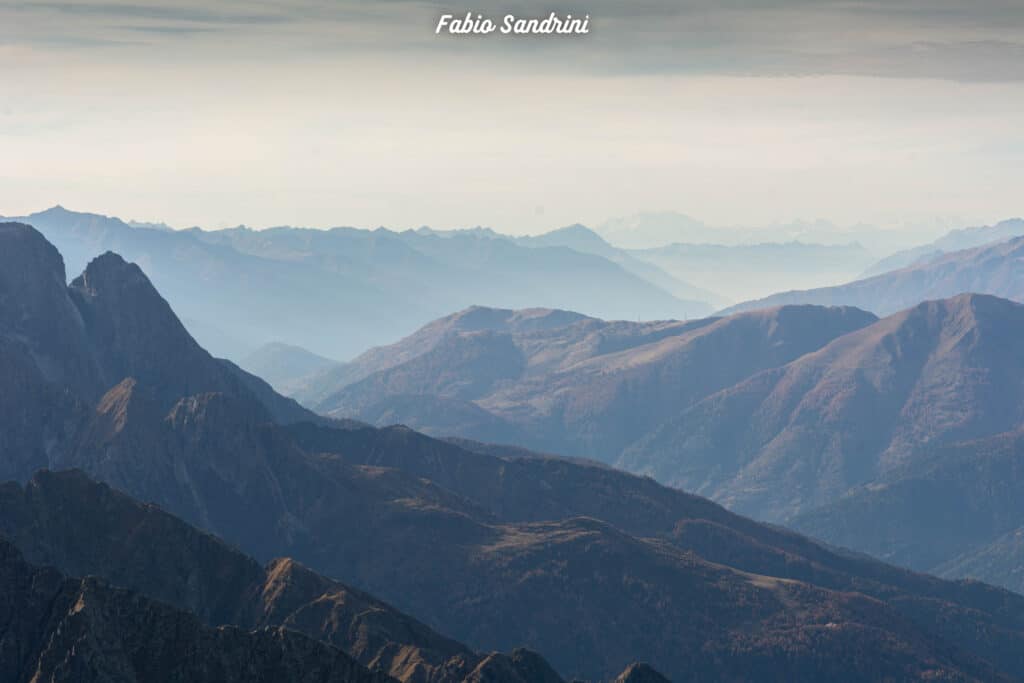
(955, 240)
(656, 229)
(561, 382)
(744, 271)
(584, 240)
(653, 229)
(796, 437)
(338, 292)
(284, 365)
(592, 568)
(992, 269)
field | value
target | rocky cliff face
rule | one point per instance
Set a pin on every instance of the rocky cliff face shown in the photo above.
(66, 630)
(134, 333)
(37, 311)
(63, 348)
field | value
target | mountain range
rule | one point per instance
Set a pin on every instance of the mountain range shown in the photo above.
(747, 265)
(828, 419)
(584, 240)
(653, 229)
(492, 546)
(561, 382)
(954, 240)
(797, 436)
(338, 292)
(993, 268)
(744, 271)
(341, 291)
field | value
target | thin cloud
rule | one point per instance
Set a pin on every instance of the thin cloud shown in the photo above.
(170, 29)
(944, 39)
(174, 12)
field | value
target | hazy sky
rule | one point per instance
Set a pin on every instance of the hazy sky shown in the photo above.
(334, 112)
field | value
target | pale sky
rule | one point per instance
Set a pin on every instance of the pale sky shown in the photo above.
(334, 112)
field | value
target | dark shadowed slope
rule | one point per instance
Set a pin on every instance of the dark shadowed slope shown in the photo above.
(993, 269)
(46, 516)
(559, 382)
(83, 528)
(794, 438)
(958, 512)
(580, 591)
(517, 486)
(65, 630)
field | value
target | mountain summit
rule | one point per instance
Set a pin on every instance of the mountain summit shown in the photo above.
(108, 325)
(797, 436)
(560, 382)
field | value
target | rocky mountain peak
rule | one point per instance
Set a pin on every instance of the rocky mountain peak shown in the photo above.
(476, 318)
(26, 255)
(972, 317)
(118, 293)
(640, 673)
(108, 272)
(134, 333)
(981, 306)
(35, 309)
(32, 282)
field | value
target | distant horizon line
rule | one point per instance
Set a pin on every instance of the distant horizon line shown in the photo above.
(601, 229)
